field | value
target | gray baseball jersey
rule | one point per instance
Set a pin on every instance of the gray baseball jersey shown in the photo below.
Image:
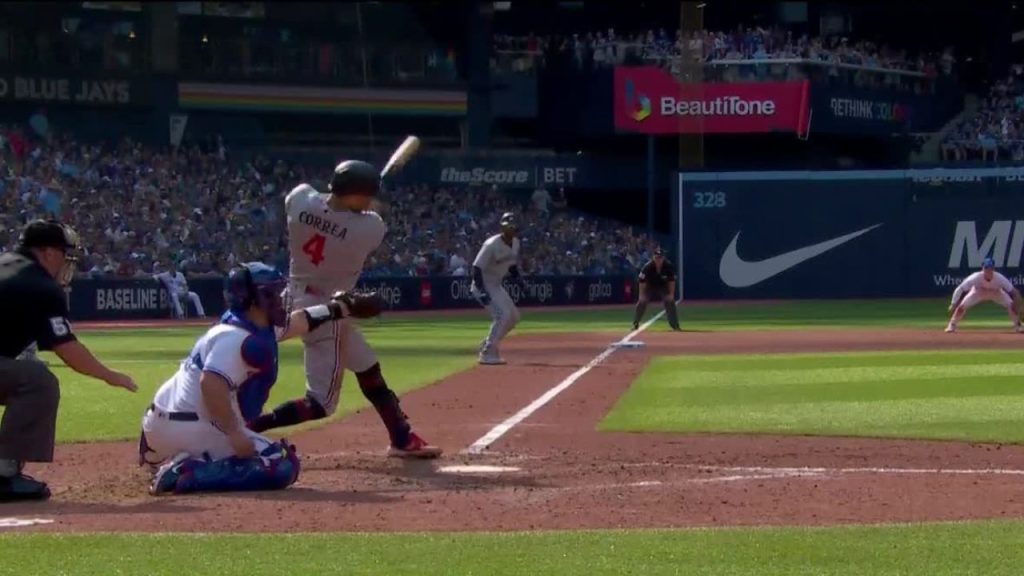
(495, 258)
(327, 247)
(327, 251)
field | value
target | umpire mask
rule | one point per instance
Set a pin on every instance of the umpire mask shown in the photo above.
(49, 235)
(71, 253)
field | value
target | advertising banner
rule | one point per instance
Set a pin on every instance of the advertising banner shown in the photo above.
(841, 110)
(139, 299)
(863, 234)
(648, 100)
(65, 90)
(527, 172)
(118, 299)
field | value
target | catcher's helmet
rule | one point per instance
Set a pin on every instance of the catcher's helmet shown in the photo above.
(508, 220)
(354, 177)
(255, 283)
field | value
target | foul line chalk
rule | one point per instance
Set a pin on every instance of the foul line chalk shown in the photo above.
(503, 428)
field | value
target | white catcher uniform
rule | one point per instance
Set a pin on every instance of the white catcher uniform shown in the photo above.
(978, 289)
(177, 288)
(494, 260)
(178, 420)
(328, 249)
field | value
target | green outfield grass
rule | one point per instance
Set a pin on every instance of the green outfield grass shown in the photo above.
(963, 395)
(929, 313)
(983, 548)
(421, 349)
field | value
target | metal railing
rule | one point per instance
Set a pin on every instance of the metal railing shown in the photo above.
(734, 70)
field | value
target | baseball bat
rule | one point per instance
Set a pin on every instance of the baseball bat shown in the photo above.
(401, 155)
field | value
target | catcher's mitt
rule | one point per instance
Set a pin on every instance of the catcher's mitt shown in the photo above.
(1018, 305)
(360, 304)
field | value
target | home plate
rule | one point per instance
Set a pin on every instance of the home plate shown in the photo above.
(476, 469)
(630, 344)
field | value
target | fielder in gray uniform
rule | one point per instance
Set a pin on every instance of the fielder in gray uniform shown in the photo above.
(498, 256)
(329, 238)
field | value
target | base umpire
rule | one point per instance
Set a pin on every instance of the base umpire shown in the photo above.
(657, 284)
(35, 312)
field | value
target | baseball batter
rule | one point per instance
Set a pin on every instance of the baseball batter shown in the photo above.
(195, 429)
(981, 286)
(329, 239)
(497, 257)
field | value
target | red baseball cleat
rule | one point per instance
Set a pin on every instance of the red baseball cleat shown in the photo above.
(416, 447)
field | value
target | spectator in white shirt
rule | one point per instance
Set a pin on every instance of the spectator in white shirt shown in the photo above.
(455, 263)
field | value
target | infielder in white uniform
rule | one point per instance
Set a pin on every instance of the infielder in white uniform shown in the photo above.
(195, 429)
(981, 286)
(177, 288)
(329, 239)
(497, 257)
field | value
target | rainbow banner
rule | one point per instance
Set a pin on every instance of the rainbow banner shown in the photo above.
(308, 99)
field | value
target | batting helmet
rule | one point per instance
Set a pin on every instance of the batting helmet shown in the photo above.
(255, 283)
(508, 220)
(354, 177)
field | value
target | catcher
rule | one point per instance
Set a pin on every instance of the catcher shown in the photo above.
(329, 238)
(194, 430)
(981, 286)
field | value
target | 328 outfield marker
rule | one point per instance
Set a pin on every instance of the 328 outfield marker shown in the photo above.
(501, 429)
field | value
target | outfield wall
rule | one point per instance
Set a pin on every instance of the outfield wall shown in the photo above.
(120, 299)
(846, 234)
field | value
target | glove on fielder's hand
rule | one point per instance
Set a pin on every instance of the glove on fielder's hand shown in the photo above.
(360, 304)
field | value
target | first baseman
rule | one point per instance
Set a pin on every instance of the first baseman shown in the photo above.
(497, 257)
(329, 238)
(981, 286)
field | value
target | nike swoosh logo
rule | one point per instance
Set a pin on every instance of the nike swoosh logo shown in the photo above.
(739, 273)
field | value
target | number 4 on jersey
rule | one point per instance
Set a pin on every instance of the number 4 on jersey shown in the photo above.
(314, 248)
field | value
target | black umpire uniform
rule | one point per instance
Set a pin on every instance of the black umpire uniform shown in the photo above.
(35, 311)
(657, 284)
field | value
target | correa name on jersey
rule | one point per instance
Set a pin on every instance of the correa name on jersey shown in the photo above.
(323, 225)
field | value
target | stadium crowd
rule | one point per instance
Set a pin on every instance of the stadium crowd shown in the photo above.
(609, 48)
(196, 209)
(996, 131)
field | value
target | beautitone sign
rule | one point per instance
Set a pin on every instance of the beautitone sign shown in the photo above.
(56, 89)
(648, 100)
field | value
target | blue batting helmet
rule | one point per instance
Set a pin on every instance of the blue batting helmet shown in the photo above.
(256, 284)
(988, 263)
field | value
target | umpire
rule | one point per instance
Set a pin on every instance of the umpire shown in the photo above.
(657, 284)
(35, 311)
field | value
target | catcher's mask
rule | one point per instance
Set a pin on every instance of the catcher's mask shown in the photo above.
(256, 284)
(40, 234)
